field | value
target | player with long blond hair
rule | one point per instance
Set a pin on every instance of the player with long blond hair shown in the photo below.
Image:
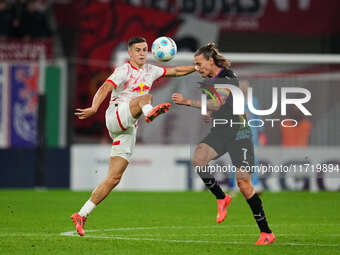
(235, 139)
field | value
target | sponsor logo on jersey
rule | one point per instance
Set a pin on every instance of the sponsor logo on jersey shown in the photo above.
(141, 88)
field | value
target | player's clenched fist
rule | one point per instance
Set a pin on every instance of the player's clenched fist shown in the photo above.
(179, 99)
(84, 113)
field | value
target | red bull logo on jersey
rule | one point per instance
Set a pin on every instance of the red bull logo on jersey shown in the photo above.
(141, 88)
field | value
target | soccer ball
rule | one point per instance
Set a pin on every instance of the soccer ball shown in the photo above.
(164, 49)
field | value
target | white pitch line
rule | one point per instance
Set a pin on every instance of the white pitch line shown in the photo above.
(68, 233)
(138, 237)
(185, 227)
(71, 233)
(74, 233)
(119, 237)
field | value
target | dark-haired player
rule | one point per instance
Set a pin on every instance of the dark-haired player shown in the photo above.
(129, 86)
(235, 139)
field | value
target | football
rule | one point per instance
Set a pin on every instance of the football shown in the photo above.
(164, 49)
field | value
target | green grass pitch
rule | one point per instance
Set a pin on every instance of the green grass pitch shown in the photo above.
(38, 222)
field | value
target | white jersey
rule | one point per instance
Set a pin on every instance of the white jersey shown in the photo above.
(130, 82)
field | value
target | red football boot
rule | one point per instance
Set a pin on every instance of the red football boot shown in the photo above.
(79, 222)
(222, 205)
(265, 239)
(159, 109)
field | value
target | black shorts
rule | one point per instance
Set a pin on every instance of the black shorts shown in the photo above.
(241, 151)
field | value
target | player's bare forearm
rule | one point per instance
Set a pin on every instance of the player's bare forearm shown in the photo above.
(181, 100)
(179, 71)
(211, 105)
(100, 95)
(98, 99)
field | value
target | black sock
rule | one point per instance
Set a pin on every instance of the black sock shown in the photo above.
(212, 185)
(255, 204)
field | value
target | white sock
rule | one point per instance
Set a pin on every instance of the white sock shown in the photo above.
(87, 208)
(146, 109)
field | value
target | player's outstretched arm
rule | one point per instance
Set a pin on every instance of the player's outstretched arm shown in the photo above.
(181, 100)
(98, 98)
(179, 71)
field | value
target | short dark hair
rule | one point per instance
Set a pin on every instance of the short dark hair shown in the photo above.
(210, 51)
(136, 39)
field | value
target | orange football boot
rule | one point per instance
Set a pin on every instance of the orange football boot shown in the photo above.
(157, 110)
(265, 239)
(222, 205)
(79, 222)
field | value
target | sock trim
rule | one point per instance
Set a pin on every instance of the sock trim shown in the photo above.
(146, 109)
(87, 208)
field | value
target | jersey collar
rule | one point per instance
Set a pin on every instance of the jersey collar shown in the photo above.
(222, 68)
(133, 67)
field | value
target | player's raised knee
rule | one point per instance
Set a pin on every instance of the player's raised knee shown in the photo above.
(200, 156)
(199, 162)
(147, 97)
(200, 147)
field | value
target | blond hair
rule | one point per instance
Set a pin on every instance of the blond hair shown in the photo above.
(210, 51)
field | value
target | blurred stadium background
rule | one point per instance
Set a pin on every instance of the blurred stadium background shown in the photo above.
(54, 55)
